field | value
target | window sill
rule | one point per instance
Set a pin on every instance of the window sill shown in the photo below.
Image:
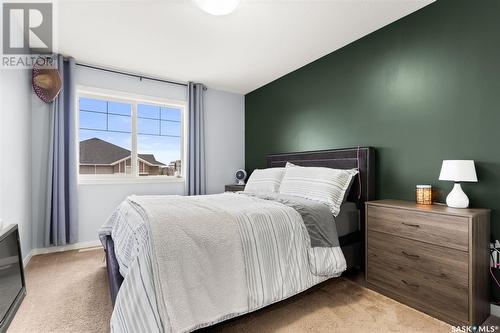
(128, 180)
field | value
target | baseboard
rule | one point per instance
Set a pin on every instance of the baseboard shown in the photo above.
(27, 258)
(53, 249)
(495, 310)
(69, 247)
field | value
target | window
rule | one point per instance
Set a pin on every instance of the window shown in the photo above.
(123, 137)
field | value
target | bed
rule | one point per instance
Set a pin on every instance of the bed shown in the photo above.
(228, 285)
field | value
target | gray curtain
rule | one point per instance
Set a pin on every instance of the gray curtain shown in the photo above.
(196, 182)
(61, 207)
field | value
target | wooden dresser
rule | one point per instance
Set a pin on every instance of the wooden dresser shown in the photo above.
(433, 258)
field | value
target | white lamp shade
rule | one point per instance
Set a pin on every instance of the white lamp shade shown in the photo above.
(458, 171)
(217, 7)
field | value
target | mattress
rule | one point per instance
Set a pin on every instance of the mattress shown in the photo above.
(348, 219)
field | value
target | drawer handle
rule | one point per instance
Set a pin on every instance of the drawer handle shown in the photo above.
(411, 225)
(414, 256)
(413, 285)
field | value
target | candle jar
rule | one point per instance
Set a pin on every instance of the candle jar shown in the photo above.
(424, 194)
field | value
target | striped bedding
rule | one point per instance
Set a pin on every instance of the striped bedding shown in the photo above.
(268, 239)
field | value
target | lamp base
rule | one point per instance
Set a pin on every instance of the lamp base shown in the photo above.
(457, 198)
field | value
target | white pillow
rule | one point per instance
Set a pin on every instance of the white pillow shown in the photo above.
(265, 180)
(325, 185)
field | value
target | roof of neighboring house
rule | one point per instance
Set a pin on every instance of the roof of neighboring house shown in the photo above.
(150, 158)
(97, 151)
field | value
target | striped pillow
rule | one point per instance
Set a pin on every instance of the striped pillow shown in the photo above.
(265, 180)
(325, 185)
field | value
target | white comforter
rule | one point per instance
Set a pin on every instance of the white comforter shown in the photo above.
(190, 262)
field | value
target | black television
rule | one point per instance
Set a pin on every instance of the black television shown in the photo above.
(12, 284)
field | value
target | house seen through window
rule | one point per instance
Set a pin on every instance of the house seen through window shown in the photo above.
(116, 135)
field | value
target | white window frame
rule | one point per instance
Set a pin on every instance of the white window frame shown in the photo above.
(133, 100)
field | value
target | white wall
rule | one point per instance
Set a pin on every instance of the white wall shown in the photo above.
(225, 138)
(2, 159)
(224, 146)
(97, 203)
(15, 153)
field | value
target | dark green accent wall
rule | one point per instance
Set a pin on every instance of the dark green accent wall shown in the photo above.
(420, 90)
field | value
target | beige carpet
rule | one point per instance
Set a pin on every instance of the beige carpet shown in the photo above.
(68, 292)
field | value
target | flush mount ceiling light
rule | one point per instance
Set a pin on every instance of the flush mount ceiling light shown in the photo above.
(217, 7)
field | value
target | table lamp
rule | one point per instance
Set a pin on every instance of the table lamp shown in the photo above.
(458, 171)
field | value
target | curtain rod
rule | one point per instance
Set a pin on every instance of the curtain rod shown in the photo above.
(139, 76)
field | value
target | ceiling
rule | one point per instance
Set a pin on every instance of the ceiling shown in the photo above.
(259, 42)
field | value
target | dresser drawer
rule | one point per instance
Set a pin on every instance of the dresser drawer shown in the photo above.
(425, 276)
(445, 267)
(445, 230)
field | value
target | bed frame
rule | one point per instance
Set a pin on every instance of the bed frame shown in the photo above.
(362, 190)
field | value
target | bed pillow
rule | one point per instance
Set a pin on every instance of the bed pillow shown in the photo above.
(265, 180)
(326, 185)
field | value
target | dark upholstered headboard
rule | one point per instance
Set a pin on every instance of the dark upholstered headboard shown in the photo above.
(362, 158)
